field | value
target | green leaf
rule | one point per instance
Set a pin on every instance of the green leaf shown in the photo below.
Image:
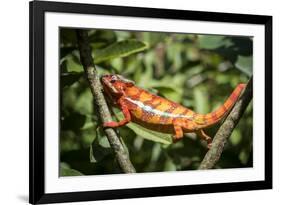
(65, 170)
(170, 92)
(213, 41)
(117, 64)
(122, 35)
(153, 38)
(235, 137)
(174, 55)
(67, 79)
(101, 38)
(150, 134)
(145, 76)
(119, 49)
(156, 152)
(245, 64)
(201, 100)
(84, 102)
(169, 165)
(103, 142)
(73, 64)
(243, 156)
(210, 42)
(100, 147)
(146, 133)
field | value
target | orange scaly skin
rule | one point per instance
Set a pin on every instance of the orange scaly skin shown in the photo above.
(160, 114)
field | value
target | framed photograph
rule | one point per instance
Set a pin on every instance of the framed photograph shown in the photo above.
(140, 102)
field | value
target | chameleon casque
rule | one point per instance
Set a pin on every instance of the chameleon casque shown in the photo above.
(160, 114)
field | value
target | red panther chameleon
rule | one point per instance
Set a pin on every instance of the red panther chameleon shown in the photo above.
(160, 114)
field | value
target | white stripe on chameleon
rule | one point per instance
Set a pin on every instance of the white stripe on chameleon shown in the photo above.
(155, 111)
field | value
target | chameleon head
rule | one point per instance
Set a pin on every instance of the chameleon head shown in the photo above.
(114, 85)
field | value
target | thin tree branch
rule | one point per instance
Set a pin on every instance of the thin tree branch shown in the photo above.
(225, 130)
(104, 114)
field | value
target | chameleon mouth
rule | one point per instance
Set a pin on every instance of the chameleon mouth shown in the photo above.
(107, 85)
(105, 78)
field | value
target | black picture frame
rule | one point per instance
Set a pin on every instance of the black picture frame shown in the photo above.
(37, 192)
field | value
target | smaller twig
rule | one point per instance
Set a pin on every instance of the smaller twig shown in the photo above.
(225, 130)
(104, 114)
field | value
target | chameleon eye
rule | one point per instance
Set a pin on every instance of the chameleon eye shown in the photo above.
(113, 79)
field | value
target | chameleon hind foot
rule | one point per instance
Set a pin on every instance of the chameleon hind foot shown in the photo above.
(178, 133)
(205, 137)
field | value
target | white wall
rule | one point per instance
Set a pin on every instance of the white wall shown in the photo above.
(14, 100)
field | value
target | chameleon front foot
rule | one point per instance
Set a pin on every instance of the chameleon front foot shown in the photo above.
(126, 120)
(111, 124)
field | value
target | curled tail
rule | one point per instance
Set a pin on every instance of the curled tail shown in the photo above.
(215, 116)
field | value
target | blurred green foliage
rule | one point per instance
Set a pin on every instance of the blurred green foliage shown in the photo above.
(198, 71)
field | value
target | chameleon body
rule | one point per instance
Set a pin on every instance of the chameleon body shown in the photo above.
(160, 114)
